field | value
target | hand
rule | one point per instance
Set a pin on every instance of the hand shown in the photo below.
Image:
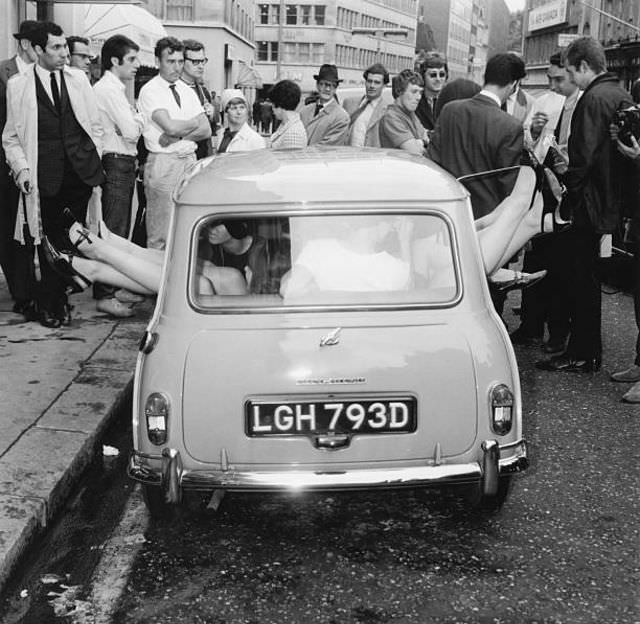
(613, 132)
(23, 181)
(630, 151)
(538, 122)
(166, 139)
(208, 110)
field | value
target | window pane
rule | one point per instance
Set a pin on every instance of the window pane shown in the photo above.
(292, 14)
(264, 13)
(274, 51)
(275, 13)
(263, 51)
(289, 53)
(337, 259)
(317, 53)
(303, 52)
(305, 15)
(319, 14)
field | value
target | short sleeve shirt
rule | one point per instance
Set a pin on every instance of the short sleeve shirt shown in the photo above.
(156, 95)
(399, 125)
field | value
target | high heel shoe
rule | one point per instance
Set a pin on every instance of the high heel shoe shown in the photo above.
(553, 193)
(80, 235)
(61, 264)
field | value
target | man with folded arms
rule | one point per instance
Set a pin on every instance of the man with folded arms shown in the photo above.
(122, 128)
(174, 121)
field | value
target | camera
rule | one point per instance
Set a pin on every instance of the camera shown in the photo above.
(628, 122)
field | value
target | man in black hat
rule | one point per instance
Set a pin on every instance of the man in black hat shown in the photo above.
(325, 121)
(16, 261)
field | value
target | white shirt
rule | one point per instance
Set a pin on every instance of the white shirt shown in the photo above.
(117, 115)
(491, 96)
(157, 95)
(45, 79)
(359, 129)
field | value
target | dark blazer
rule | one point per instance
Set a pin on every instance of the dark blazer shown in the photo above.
(598, 174)
(427, 116)
(475, 135)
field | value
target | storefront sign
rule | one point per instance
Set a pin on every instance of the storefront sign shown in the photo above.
(565, 39)
(551, 13)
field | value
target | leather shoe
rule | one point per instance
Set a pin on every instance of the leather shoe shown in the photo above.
(632, 395)
(28, 309)
(568, 363)
(518, 337)
(48, 319)
(114, 307)
(629, 375)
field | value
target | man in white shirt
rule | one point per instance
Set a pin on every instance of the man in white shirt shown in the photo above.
(174, 121)
(366, 112)
(122, 128)
(80, 55)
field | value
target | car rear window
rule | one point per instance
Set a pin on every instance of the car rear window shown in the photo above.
(323, 260)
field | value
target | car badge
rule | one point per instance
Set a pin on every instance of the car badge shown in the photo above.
(332, 338)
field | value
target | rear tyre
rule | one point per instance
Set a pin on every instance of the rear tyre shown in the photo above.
(155, 502)
(476, 500)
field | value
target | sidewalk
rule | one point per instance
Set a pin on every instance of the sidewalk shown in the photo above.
(59, 389)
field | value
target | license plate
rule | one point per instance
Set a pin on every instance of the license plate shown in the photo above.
(320, 417)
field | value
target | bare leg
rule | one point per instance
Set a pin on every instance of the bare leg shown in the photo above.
(100, 272)
(225, 280)
(497, 238)
(152, 255)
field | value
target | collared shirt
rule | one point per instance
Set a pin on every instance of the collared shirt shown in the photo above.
(492, 96)
(565, 121)
(45, 79)
(156, 95)
(22, 65)
(359, 128)
(122, 125)
(290, 135)
(398, 125)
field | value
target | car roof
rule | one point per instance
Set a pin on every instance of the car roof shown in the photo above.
(316, 175)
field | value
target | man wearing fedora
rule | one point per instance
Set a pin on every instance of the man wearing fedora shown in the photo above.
(325, 121)
(16, 260)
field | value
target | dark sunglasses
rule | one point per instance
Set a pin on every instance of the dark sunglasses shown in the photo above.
(437, 74)
(202, 61)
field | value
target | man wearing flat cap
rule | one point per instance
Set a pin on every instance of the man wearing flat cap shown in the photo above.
(325, 121)
(16, 261)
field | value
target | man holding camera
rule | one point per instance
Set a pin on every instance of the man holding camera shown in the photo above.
(594, 182)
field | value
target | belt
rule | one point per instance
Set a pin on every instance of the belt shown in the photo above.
(116, 155)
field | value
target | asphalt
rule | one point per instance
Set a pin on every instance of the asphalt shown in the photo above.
(59, 390)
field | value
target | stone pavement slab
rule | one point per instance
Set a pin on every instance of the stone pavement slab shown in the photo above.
(59, 390)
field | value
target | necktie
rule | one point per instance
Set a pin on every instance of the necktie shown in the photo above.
(198, 89)
(559, 126)
(55, 92)
(176, 95)
(318, 109)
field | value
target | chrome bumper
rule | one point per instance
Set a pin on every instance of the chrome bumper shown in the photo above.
(173, 478)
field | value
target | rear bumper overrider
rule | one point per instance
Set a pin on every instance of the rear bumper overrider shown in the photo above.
(168, 473)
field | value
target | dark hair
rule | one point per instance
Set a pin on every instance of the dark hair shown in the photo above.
(237, 229)
(168, 43)
(458, 89)
(377, 68)
(430, 60)
(192, 45)
(504, 68)
(285, 94)
(117, 46)
(406, 77)
(71, 42)
(556, 59)
(590, 51)
(41, 34)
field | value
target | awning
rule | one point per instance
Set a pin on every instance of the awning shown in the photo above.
(102, 21)
(248, 77)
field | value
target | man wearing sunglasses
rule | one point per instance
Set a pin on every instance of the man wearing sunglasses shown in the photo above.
(195, 62)
(434, 71)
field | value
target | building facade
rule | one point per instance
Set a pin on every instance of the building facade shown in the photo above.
(550, 25)
(227, 30)
(294, 43)
(468, 32)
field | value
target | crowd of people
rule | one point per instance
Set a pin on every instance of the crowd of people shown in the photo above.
(548, 174)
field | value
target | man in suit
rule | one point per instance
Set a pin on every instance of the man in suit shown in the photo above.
(475, 135)
(192, 75)
(325, 121)
(52, 141)
(366, 112)
(434, 71)
(597, 179)
(16, 260)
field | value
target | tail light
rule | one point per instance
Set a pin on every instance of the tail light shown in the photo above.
(156, 411)
(501, 409)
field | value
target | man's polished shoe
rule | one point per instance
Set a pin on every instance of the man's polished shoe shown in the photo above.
(519, 337)
(47, 319)
(629, 375)
(632, 395)
(114, 307)
(569, 364)
(28, 309)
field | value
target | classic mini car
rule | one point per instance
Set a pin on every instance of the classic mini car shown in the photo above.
(324, 323)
